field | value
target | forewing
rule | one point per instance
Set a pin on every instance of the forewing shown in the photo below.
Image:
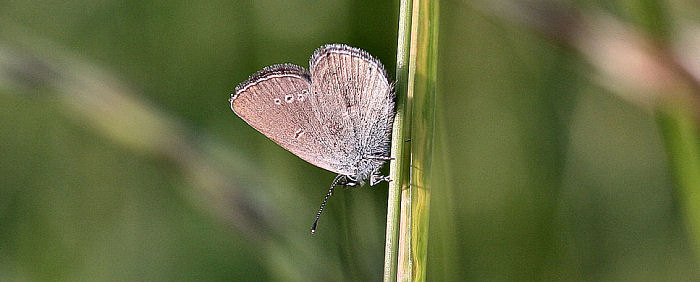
(353, 89)
(275, 101)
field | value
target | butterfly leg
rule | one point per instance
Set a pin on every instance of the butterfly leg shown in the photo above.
(376, 178)
(380, 158)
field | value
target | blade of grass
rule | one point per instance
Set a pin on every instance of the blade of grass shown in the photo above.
(403, 267)
(219, 182)
(410, 190)
(676, 116)
(400, 150)
(654, 77)
(423, 128)
(680, 134)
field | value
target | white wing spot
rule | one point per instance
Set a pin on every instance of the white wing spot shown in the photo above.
(289, 98)
(277, 101)
(298, 133)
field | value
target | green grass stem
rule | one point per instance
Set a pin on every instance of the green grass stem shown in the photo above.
(409, 193)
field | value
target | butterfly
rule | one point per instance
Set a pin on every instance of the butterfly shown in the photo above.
(338, 115)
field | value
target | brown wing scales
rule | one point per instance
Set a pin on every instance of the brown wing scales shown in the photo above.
(364, 95)
(276, 102)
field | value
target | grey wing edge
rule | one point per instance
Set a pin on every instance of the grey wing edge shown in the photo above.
(278, 69)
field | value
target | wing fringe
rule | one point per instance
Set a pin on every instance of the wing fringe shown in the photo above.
(352, 51)
(278, 69)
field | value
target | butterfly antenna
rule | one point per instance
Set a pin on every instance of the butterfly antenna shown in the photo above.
(323, 205)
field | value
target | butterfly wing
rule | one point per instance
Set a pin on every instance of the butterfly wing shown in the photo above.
(354, 88)
(276, 102)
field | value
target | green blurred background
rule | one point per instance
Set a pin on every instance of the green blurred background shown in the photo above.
(121, 160)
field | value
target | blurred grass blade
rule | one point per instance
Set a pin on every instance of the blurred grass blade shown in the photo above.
(681, 136)
(650, 75)
(676, 115)
(93, 97)
(415, 121)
